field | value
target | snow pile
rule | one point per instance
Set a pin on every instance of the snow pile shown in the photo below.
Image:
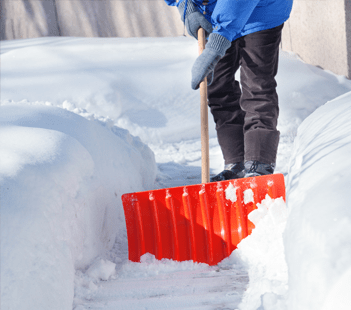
(262, 254)
(61, 178)
(318, 232)
(301, 259)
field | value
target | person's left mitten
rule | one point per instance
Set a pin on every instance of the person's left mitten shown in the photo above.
(193, 19)
(204, 65)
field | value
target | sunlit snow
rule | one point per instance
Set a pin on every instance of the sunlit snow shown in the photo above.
(84, 120)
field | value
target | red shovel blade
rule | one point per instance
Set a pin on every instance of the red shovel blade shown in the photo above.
(203, 223)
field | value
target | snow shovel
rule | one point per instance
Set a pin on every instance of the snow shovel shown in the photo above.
(204, 222)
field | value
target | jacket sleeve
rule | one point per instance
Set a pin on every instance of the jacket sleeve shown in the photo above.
(230, 16)
(171, 2)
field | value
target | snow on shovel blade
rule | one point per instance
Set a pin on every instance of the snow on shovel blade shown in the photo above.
(203, 223)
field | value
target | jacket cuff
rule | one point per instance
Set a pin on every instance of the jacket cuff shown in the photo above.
(218, 43)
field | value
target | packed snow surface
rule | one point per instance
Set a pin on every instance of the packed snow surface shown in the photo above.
(83, 121)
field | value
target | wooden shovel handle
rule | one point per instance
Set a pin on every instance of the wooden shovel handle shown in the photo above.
(205, 149)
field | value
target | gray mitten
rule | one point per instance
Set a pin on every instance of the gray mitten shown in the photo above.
(193, 19)
(214, 50)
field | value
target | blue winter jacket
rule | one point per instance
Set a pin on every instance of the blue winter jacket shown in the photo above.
(236, 18)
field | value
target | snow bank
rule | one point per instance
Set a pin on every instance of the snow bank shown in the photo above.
(318, 232)
(302, 88)
(61, 178)
(262, 255)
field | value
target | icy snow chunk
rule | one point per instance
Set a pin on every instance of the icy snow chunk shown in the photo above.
(148, 258)
(230, 193)
(101, 270)
(248, 196)
(68, 105)
(262, 208)
(276, 209)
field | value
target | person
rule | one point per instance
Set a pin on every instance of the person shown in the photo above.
(245, 34)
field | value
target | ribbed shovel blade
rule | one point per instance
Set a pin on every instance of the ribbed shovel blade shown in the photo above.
(203, 223)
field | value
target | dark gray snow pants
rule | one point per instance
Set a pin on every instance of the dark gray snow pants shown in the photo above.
(246, 117)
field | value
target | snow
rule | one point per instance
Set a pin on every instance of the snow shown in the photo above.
(319, 251)
(101, 270)
(84, 120)
(263, 254)
(230, 193)
(248, 196)
(61, 179)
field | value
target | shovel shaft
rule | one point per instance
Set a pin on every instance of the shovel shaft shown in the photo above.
(205, 149)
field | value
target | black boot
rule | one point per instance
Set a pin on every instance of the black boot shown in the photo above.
(231, 171)
(254, 168)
